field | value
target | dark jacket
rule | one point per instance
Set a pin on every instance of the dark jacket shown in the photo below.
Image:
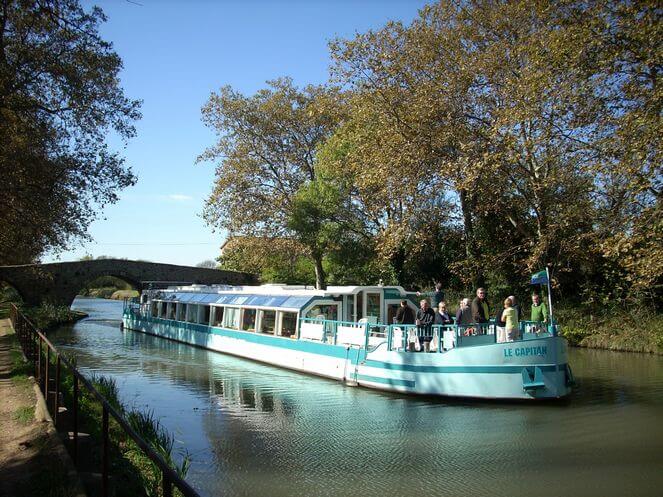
(443, 318)
(405, 315)
(464, 317)
(478, 313)
(498, 318)
(426, 318)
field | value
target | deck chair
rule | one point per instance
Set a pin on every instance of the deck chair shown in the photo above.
(413, 338)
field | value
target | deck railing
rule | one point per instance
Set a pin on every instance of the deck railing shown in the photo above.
(47, 361)
(400, 336)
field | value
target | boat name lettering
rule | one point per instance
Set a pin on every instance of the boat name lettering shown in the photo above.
(525, 351)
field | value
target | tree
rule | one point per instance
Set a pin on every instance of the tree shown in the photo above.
(209, 264)
(266, 153)
(539, 122)
(59, 99)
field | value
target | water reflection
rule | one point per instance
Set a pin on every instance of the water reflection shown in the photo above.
(258, 430)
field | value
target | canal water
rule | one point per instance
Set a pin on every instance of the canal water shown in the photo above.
(255, 430)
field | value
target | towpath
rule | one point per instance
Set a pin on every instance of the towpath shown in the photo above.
(32, 457)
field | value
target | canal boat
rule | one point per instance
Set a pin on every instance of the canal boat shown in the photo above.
(348, 333)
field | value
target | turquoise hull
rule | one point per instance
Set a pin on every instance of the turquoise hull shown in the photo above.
(532, 369)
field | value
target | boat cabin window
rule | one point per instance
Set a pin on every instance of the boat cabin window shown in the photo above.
(268, 322)
(162, 309)
(203, 314)
(373, 307)
(217, 316)
(288, 324)
(324, 311)
(191, 313)
(180, 312)
(249, 320)
(231, 318)
(153, 310)
(350, 307)
(171, 310)
(360, 306)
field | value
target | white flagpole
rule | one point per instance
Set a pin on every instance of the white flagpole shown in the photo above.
(549, 295)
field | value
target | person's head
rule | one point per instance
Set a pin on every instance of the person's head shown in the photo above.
(465, 303)
(481, 293)
(507, 302)
(438, 286)
(403, 303)
(536, 300)
(512, 298)
(442, 306)
(423, 304)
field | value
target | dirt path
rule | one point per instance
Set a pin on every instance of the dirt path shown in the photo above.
(30, 451)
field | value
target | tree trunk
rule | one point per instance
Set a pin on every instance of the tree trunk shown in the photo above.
(320, 282)
(471, 249)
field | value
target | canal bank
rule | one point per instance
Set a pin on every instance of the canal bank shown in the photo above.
(256, 430)
(33, 460)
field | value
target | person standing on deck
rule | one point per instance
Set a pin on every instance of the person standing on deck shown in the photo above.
(442, 315)
(425, 320)
(464, 314)
(404, 315)
(480, 312)
(436, 296)
(539, 310)
(510, 316)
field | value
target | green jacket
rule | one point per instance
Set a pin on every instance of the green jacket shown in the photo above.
(539, 313)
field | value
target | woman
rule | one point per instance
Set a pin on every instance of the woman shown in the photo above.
(510, 317)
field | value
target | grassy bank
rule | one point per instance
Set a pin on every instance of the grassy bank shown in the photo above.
(48, 316)
(37, 467)
(630, 330)
(110, 292)
(134, 474)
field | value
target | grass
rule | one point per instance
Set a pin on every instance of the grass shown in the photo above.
(135, 473)
(24, 415)
(630, 330)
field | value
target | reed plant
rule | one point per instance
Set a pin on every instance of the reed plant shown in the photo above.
(133, 471)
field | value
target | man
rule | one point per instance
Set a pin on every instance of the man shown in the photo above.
(442, 315)
(436, 296)
(480, 307)
(425, 320)
(464, 314)
(404, 315)
(539, 310)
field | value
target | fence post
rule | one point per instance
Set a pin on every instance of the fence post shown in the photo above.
(167, 485)
(75, 416)
(56, 401)
(46, 378)
(104, 462)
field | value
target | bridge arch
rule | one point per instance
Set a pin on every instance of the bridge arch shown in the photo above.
(59, 283)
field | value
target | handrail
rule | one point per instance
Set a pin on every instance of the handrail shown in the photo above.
(31, 340)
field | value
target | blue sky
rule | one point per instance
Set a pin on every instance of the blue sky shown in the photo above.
(175, 54)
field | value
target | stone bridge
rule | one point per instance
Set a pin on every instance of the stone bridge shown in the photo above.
(60, 282)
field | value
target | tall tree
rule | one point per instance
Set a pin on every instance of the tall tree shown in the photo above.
(267, 152)
(59, 99)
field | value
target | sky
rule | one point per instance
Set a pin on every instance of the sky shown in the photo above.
(175, 54)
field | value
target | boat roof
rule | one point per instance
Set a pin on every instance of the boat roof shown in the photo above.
(270, 295)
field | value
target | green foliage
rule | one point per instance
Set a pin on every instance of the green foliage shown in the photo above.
(48, 315)
(24, 415)
(59, 101)
(474, 146)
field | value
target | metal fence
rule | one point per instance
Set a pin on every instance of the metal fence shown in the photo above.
(49, 367)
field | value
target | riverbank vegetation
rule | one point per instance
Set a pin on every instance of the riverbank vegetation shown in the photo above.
(108, 287)
(134, 474)
(475, 146)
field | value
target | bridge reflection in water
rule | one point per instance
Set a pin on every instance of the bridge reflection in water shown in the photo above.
(258, 430)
